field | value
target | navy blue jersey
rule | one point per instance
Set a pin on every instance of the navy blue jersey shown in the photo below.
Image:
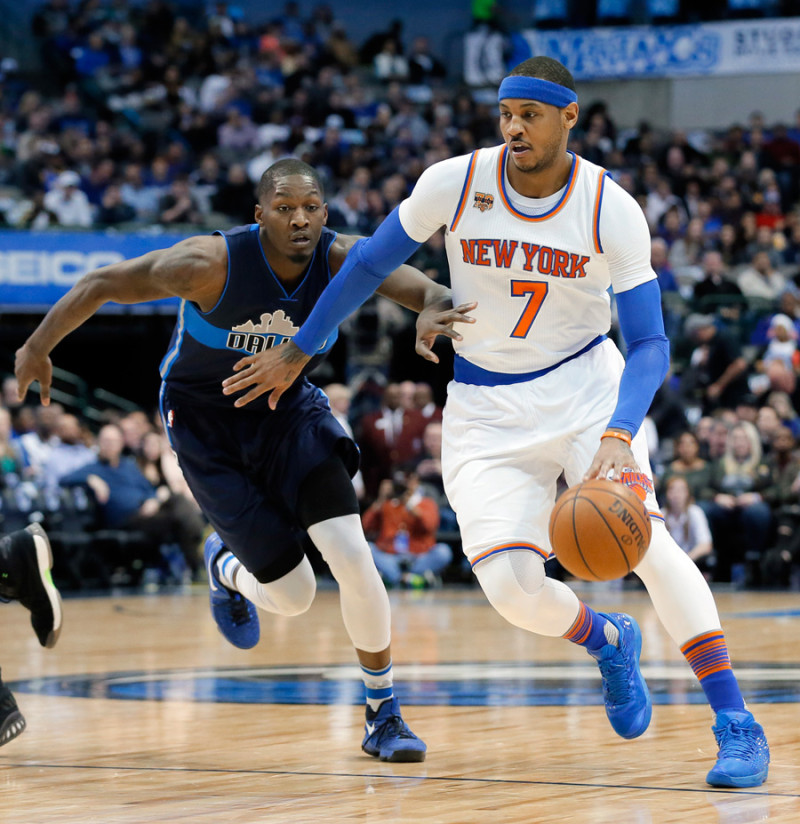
(255, 312)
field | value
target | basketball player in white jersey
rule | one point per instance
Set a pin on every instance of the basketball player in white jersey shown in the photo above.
(535, 235)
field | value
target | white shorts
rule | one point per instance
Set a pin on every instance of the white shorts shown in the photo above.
(504, 448)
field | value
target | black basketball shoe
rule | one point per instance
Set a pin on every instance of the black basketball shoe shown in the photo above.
(25, 562)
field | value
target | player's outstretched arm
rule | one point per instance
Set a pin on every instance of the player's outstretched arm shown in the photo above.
(184, 270)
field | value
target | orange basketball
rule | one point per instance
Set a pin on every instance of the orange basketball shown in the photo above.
(599, 530)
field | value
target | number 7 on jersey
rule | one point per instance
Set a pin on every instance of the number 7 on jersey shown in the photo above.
(537, 292)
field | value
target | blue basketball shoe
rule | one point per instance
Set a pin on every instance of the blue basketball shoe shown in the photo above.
(743, 757)
(625, 692)
(236, 617)
(388, 737)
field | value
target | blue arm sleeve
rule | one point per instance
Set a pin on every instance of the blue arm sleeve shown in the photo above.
(367, 265)
(647, 362)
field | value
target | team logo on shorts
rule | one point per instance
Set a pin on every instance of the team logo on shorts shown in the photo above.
(637, 481)
(170, 418)
(483, 201)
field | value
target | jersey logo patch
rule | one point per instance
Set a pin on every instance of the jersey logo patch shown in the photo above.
(483, 201)
(271, 329)
(637, 481)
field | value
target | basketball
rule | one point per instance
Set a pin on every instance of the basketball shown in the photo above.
(599, 530)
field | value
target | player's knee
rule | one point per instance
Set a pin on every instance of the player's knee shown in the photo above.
(511, 582)
(294, 593)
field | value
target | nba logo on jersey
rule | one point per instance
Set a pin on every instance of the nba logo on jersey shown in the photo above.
(483, 201)
(170, 418)
(638, 482)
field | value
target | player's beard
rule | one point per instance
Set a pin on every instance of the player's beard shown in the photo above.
(550, 155)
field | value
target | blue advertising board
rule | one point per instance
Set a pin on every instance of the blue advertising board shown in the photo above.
(37, 268)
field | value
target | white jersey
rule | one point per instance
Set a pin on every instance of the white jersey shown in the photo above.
(540, 269)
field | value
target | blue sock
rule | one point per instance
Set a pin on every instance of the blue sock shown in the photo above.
(708, 657)
(378, 685)
(592, 630)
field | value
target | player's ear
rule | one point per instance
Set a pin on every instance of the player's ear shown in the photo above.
(570, 114)
(324, 214)
(259, 212)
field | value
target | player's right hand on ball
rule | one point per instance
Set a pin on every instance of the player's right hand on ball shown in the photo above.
(434, 321)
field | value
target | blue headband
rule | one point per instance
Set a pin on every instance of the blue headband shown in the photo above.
(534, 88)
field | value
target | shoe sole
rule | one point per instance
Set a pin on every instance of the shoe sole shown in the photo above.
(13, 726)
(401, 756)
(755, 780)
(44, 560)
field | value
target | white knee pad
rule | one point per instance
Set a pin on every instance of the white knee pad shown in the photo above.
(364, 602)
(290, 595)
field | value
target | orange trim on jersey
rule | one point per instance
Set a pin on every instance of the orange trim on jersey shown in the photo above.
(596, 216)
(507, 548)
(656, 516)
(501, 187)
(462, 202)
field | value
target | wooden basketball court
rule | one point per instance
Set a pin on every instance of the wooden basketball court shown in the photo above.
(143, 713)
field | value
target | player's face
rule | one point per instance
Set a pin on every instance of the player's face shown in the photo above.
(291, 217)
(535, 133)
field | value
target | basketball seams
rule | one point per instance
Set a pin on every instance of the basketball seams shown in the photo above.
(575, 499)
(611, 529)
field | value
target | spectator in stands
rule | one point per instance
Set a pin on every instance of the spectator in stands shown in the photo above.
(761, 279)
(423, 66)
(235, 196)
(661, 266)
(783, 464)
(389, 438)
(402, 523)
(10, 458)
(70, 454)
(689, 465)
(67, 203)
(768, 423)
(687, 251)
(423, 401)
(129, 502)
(37, 445)
(782, 404)
(179, 205)
(158, 464)
(716, 292)
(718, 369)
(740, 519)
(779, 362)
(686, 521)
(113, 209)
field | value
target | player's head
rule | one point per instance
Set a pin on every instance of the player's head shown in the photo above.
(291, 209)
(538, 107)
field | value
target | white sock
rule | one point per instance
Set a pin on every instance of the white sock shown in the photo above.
(378, 684)
(227, 565)
(611, 633)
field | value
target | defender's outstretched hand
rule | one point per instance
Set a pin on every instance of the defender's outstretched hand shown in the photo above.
(435, 320)
(30, 367)
(275, 369)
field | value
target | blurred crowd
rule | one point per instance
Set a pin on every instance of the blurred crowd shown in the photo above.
(150, 117)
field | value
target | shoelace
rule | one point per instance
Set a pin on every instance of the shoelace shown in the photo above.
(615, 679)
(238, 610)
(395, 727)
(735, 742)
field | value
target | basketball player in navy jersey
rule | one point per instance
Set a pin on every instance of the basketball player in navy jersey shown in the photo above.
(537, 235)
(262, 477)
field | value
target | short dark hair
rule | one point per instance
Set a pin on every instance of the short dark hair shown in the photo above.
(545, 68)
(285, 168)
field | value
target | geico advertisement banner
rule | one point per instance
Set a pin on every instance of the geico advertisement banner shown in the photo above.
(37, 268)
(739, 47)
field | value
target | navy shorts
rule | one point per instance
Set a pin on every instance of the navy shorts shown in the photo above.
(245, 468)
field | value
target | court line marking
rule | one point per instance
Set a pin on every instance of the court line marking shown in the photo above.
(442, 778)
